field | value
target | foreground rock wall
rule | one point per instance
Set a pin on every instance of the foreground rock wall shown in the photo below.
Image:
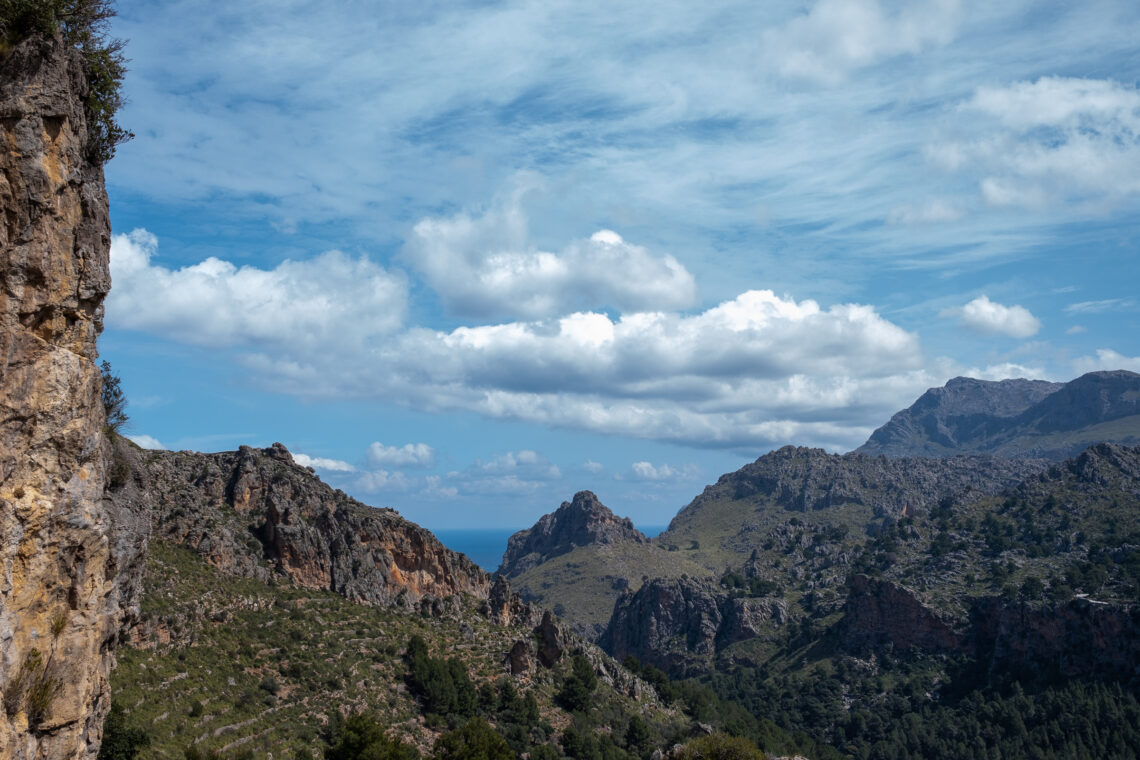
(58, 606)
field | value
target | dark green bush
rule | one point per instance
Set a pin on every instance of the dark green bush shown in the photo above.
(475, 740)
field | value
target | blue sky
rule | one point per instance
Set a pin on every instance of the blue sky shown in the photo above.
(467, 259)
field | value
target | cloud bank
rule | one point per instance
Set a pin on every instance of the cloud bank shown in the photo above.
(754, 369)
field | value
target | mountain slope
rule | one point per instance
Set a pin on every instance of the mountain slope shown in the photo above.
(271, 606)
(580, 558)
(934, 616)
(1015, 418)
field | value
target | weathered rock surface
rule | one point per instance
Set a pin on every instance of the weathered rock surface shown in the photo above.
(805, 480)
(581, 522)
(257, 513)
(677, 625)
(1015, 418)
(57, 540)
(880, 614)
(1078, 638)
(551, 642)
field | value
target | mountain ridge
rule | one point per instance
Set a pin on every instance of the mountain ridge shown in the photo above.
(1014, 418)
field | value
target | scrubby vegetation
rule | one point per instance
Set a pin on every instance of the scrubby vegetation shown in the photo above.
(231, 668)
(82, 24)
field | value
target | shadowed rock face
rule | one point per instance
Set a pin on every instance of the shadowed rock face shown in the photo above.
(580, 522)
(677, 625)
(57, 567)
(1015, 418)
(880, 613)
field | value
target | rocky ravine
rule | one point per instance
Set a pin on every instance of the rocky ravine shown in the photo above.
(59, 604)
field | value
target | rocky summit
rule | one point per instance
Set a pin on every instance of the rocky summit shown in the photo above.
(584, 521)
(1015, 418)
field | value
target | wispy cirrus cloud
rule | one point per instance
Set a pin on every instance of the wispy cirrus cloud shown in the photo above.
(1105, 304)
(833, 38)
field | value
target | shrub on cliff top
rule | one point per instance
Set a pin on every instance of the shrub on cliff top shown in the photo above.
(83, 25)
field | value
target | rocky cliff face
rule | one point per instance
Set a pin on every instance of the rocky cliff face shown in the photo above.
(880, 614)
(256, 513)
(582, 522)
(1078, 638)
(59, 606)
(678, 624)
(1015, 418)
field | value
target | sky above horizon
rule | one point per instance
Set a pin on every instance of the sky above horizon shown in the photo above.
(466, 259)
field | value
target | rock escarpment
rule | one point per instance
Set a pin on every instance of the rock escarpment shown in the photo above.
(1015, 418)
(677, 625)
(582, 522)
(880, 614)
(256, 513)
(799, 479)
(59, 605)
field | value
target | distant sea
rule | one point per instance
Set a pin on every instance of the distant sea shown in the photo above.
(486, 545)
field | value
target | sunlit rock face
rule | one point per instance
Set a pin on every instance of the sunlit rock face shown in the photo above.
(59, 605)
(257, 513)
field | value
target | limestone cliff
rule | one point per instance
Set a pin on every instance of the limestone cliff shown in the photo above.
(678, 624)
(59, 607)
(256, 513)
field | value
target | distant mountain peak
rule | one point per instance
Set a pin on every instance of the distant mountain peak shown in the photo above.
(1015, 418)
(580, 522)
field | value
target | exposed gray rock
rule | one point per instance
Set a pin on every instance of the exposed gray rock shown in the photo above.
(256, 513)
(1014, 418)
(580, 522)
(550, 641)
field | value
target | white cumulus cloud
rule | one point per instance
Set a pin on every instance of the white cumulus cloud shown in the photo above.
(331, 299)
(486, 267)
(322, 463)
(1106, 359)
(986, 316)
(408, 455)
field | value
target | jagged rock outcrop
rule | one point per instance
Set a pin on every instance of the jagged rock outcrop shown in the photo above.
(551, 642)
(883, 615)
(677, 625)
(1015, 418)
(58, 550)
(506, 607)
(255, 512)
(581, 522)
(670, 624)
